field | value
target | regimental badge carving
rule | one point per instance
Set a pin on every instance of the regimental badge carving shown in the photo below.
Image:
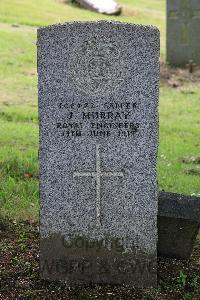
(97, 67)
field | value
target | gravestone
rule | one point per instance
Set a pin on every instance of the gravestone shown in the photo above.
(183, 38)
(108, 7)
(178, 224)
(98, 117)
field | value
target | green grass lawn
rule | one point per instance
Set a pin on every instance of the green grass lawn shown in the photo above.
(179, 110)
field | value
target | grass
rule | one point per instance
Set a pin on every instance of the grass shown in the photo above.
(41, 13)
(179, 111)
(45, 12)
(179, 131)
(19, 169)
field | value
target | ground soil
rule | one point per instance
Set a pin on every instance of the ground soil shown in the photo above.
(179, 78)
(20, 278)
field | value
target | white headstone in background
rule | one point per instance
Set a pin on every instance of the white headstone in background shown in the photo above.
(108, 7)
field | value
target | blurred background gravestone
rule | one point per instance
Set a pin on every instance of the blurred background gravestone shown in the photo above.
(183, 32)
(108, 7)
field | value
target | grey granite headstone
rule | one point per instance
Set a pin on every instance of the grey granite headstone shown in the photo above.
(178, 224)
(183, 38)
(98, 115)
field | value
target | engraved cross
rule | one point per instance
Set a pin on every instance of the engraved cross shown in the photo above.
(97, 175)
(186, 13)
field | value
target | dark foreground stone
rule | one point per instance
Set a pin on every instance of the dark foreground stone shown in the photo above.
(178, 224)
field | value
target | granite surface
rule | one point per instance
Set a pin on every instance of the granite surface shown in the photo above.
(98, 117)
(178, 224)
(183, 38)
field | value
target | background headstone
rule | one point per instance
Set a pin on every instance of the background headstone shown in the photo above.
(98, 115)
(109, 7)
(183, 38)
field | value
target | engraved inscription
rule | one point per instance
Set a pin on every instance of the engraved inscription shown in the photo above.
(115, 119)
(97, 175)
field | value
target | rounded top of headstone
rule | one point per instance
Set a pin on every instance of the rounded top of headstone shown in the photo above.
(97, 65)
(102, 23)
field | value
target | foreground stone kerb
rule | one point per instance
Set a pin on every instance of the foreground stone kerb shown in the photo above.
(98, 117)
(178, 224)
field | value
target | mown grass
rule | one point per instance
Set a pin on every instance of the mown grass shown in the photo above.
(18, 66)
(179, 110)
(41, 13)
(179, 137)
(19, 169)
